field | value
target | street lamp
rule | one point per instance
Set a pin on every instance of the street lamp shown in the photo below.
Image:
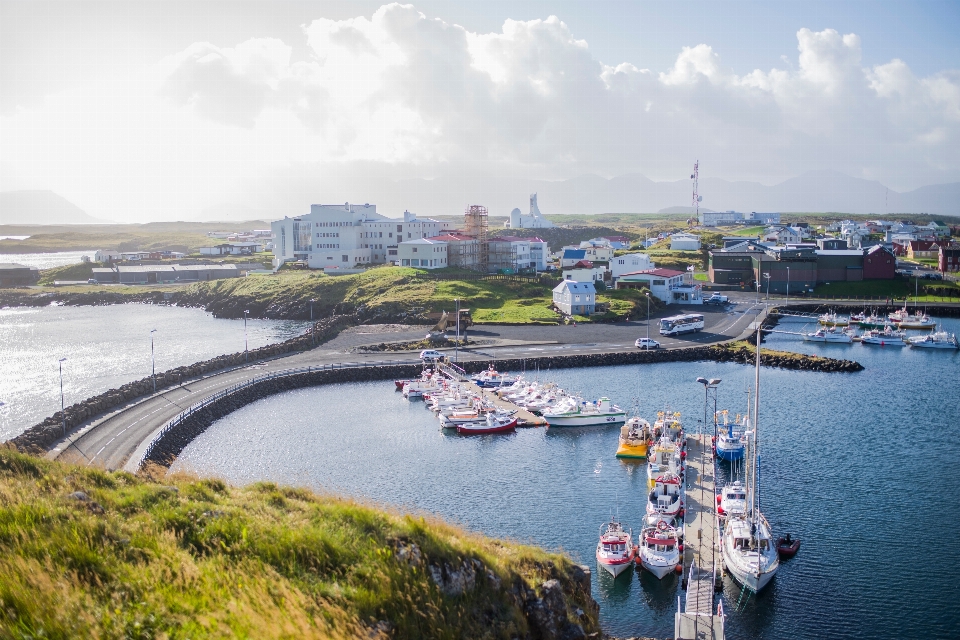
(153, 362)
(246, 312)
(313, 328)
(788, 285)
(63, 416)
(767, 276)
(647, 293)
(707, 385)
(456, 345)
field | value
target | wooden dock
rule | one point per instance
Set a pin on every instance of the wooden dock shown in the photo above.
(702, 563)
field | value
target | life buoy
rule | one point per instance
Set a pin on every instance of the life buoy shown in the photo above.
(662, 526)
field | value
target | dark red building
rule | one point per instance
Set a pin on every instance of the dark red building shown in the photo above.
(949, 257)
(879, 264)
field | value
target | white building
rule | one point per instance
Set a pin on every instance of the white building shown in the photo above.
(585, 272)
(533, 221)
(660, 282)
(630, 263)
(726, 218)
(508, 252)
(104, 255)
(684, 242)
(346, 235)
(539, 250)
(575, 298)
(423, 253)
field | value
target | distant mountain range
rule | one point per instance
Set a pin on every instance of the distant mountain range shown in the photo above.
(40, 207)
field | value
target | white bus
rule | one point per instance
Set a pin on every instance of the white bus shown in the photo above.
(675, 325)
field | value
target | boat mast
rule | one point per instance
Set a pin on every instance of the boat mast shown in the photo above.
(754, 498)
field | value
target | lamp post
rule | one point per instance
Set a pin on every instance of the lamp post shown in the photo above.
(63, 416)
(153, 362)
(707, 385)
(647, 293)
(246, 312)
(312, 326)
(767, 276)
(788, 285)
(456, 345)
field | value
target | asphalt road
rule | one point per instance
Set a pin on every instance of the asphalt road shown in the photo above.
(110, 441)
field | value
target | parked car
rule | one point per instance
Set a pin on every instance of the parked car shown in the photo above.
(716, 299)
(430, 355)
(92, 281)
(933, 276)
(647, 343)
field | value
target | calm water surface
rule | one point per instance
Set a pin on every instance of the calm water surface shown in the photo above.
(47, 260)
(862, 467)
(106, 347)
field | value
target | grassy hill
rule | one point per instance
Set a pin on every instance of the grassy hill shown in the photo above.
(90, 554)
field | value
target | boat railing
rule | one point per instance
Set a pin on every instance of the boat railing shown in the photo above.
(223, 393)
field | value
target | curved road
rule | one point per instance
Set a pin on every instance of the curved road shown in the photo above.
(109, 441)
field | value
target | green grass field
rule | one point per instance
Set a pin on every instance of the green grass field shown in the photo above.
(182, 557)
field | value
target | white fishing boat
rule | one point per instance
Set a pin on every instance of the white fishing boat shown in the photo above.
(635, 437)
(747, 546)
(492, 379)
(660, 549)
(732, 501)
(936, 340)
(833, 320)
(574, 412)
(665, 500)
(886, 338)
(615, 550)
(828, 335)
(917, 322)
(668, 423)
(663, 456)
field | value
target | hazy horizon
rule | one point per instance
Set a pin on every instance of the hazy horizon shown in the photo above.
(172, 110)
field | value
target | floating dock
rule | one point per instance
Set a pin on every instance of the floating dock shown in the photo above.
(702, 562)
(524, 417)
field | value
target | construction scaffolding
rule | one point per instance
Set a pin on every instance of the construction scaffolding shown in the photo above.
(475, 224)
(502, 255)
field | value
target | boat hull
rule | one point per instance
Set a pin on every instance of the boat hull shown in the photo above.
(634, 451)
(657, 569)
(586, 420)
(615, 569)
(750, 581)
(884, 342)
(482, 428)
(730, 454)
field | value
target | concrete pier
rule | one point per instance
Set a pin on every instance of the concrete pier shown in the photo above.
(702, 562)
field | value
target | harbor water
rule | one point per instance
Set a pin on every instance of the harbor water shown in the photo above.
(861, 467)
(106, 347)
(47, 260)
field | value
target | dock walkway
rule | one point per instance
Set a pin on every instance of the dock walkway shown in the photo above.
(524, 417)
(701, 553)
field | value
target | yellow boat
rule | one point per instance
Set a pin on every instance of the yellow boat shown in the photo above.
(634, 439)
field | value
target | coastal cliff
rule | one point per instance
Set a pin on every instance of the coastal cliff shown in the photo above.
(89, 553)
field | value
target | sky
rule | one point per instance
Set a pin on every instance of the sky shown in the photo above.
(139, 111)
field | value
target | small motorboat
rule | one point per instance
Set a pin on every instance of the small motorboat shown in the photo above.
(732, 501)
(573, 412)
(885, 338)
(828, 335)
(493, 379)
(833, 320)
(493, 424)
(634, 439)
(615, 551)
(660, 549)
(938, 340)
(787, 546)
(665, 501)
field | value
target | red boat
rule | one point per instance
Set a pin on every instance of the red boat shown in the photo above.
(787, 547)
(493, 424)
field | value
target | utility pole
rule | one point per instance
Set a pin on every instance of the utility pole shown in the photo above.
(788, 285)
(246, 312)
(312, 326)
(456, 346)
(767, 276)
(647, 293)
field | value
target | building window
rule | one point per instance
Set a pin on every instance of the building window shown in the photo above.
(345, 258)
(414, 249)
(399, 228)
(405, 262)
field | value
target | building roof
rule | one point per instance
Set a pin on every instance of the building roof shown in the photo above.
(684, 236)
(922, 245)
(660, 273)
(840, 252)
(576, 287)
(616, 238)
(450, 237)
(509, 239)
(574, 254)
(430, 241)
(583, 264)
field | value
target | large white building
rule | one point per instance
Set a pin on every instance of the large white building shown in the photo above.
(684, 242)
(425, 253)
(630, 263)
(342, 236)
(727, 218)
(533, 221)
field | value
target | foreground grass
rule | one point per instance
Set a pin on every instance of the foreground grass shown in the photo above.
(190, 558)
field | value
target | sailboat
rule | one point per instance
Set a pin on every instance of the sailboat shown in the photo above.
(748, 547)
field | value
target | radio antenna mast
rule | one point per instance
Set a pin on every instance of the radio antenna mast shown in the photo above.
(697, 199)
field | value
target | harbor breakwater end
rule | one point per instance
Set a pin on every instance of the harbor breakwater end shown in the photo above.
(169, 441)
(40, 437)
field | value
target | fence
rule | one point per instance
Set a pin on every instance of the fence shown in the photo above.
(285, 373)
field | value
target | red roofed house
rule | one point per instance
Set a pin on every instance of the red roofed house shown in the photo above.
(660, 282)
(923, 249)
(879, 263)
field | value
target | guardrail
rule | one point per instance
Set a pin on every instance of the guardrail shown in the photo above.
(223, 393)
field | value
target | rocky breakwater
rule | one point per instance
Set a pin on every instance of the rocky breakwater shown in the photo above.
(41, 437)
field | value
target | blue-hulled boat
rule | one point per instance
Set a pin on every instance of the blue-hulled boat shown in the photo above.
(729, 444)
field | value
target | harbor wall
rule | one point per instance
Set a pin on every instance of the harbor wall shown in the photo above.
(170, 442)
(933, 309)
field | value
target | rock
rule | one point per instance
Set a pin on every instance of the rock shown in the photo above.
(78, 495)
(95, 507)
(455, 581)
(548, 615)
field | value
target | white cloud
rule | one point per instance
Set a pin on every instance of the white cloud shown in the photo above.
(400, 89)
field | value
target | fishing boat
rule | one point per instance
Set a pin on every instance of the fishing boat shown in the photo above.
(668, 423)
(493, 423)
(732, 501)
(574, 412)
(872, 321)
(828, 335)
(729, 444)
(886, 338)
(665, 500)
(660, 549)
(917, 322)
(615, 550)
(635, 437)
(833, 320)
(492, 379)
(747, 544)
(937, 340)
(663, 457)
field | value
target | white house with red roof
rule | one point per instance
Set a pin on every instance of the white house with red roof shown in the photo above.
(666, 285)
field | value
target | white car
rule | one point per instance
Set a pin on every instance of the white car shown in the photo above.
(647, 343)
(430, 355)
